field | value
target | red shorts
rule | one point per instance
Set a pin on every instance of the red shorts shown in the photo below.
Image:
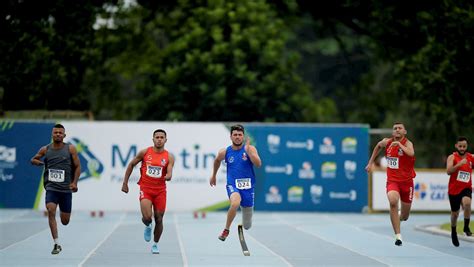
(405, 189)
(156, 196)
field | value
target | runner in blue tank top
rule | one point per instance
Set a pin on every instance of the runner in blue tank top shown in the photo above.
(240, 160)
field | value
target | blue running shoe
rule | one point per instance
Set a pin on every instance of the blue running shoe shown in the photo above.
(154, 249)
(147, 233)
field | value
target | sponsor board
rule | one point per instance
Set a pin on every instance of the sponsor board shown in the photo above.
(430, 191)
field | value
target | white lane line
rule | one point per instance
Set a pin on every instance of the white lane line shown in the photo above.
(24, 240)
(327, 240)
(391, 238)
(270, 250)
(180, 241)
(104, 239)
(7, 220)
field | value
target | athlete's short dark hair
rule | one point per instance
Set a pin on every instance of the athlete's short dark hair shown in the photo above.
(159, 131)
(463, 138)
(237, 127)
(59, 126)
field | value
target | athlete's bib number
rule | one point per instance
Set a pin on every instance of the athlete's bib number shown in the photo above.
(392, 163)
(154, 171)
(243, 183)
(464, 176)
(56, 175)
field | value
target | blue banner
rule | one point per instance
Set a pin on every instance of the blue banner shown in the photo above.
(311, 167)
(19, 180)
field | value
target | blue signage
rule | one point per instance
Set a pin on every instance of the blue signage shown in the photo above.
(19, 180)
(311, 167)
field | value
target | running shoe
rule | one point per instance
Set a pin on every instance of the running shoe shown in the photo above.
(224, 235)
(467, 231)
(56, 249)
(147, 233)
(154, 249)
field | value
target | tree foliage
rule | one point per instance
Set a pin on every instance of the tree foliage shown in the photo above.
(45, 51)
(211, 60)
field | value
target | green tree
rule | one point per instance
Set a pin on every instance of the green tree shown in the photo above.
(45, 50)
(209, 60)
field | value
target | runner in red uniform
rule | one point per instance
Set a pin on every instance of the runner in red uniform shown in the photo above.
(459, 167)
(156, 169)
(400, 156)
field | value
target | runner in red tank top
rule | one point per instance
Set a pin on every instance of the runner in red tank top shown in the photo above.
(156, 169)
(400, 155)
(459, 168)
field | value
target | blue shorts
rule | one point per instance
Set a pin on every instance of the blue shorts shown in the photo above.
(64, 200)
(247, 195)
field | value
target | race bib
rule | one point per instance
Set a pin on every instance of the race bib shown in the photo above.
(464, 176)
(154, 171)
(392, 163)
(243, 183)
(56, 176)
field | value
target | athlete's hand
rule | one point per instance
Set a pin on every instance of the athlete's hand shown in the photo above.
(368, 168)
(73, 187)
(247, 145)
(125, 188)
(167, 178)
(212, 181)
(395, 143)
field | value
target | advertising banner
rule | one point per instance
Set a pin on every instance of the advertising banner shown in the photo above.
(311, 167)
(106, 148)
(430, 191)
(306, 167)
(19, 180)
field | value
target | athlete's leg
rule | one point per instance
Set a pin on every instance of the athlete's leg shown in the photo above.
(247, 213)
(466, 204)
(146, 209)
(65, 206)
(405, 211)
(393, 199)
(51, 207)
(159, 225)
(234, 205)
(159, 206)
(455, 203)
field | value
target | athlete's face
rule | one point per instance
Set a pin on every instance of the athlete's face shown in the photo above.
(237, 137)
(58, 135)
(159, 139)
(461, 147)
(398, 131)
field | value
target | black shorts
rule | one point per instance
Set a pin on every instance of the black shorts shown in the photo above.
(455, 200)
(64, 200)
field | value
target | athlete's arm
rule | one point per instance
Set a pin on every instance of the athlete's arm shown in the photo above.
(130, 166)
(450, 169)
(76, 167)
(36, 159)
(380, 145)
(253, 154)
(407, 148)
(169, 169)
(217, 163)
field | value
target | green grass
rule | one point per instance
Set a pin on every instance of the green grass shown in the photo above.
(459, 226)
(224, 205)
